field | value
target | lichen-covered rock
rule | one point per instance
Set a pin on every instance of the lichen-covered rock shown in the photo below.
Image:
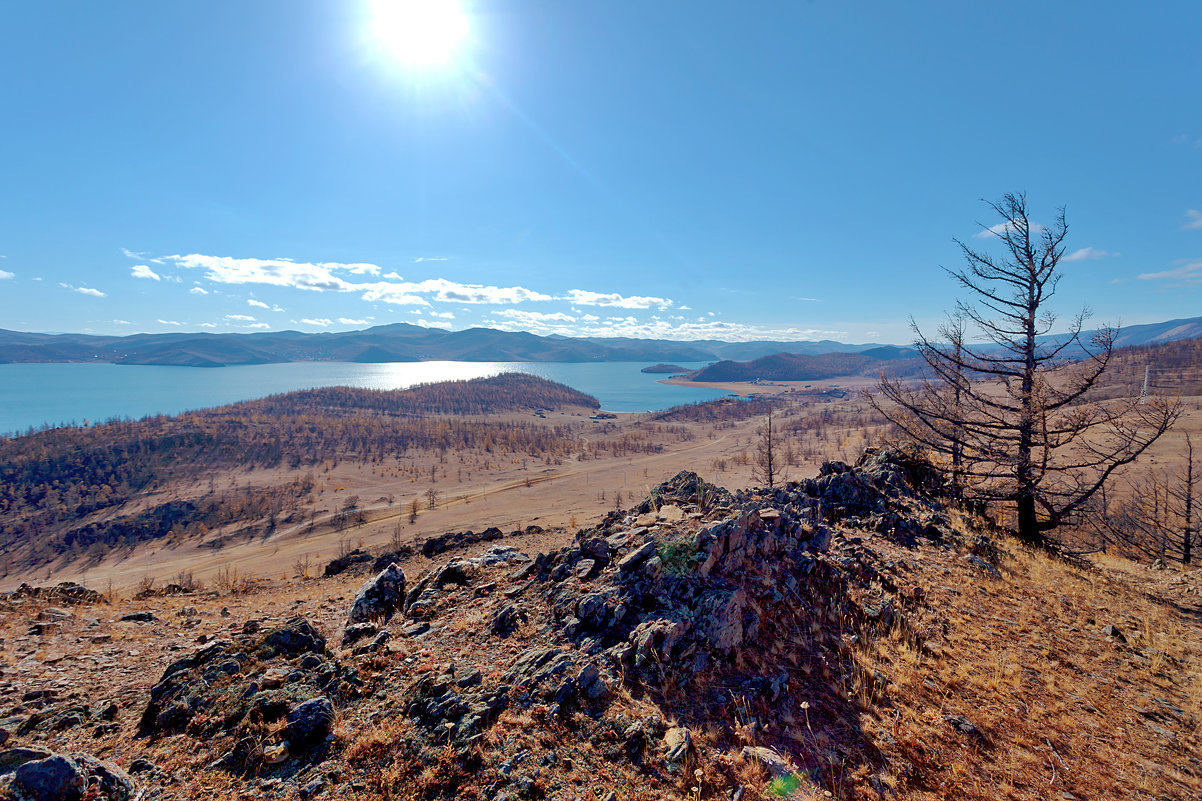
(59, 777)
(310, 722)
(380, 597)
(248, 679)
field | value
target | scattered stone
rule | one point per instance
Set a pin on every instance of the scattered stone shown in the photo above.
(506, 621)
(962, 725)
(415, 630)
(138, 617)
(982, 565)
(776, 763)
(1112, 631)
(378, 643)
(358, 631)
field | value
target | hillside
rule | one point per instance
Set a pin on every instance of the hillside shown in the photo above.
(701, 644)
(805, 367)
(81, 492)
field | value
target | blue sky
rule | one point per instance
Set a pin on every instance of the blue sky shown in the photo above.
(672, 169)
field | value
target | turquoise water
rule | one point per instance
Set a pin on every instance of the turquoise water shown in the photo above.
(33, 395)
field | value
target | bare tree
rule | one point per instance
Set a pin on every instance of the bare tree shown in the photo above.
(1187, 500)
(1154, 518)
(1013, 410)
(766, 467)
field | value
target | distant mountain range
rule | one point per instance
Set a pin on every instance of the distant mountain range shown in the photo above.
(399, 342)
(402, 342)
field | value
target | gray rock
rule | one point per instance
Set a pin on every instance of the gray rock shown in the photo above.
(380, 597)
(310, 722)
(676, 744)
(506, 620)
(137, 617)
(1113, 632)
(378, 643)
(636, 557)
(962, 725)
(982, 565)
(720, 619)
(296, 636)
(358, 631)
(13, 758)
(56, 778)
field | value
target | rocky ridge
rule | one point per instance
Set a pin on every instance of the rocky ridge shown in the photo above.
(703, 639)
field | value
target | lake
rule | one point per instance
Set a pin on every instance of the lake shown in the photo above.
(33, 395)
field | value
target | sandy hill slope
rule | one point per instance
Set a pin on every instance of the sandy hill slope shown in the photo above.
(850, 635)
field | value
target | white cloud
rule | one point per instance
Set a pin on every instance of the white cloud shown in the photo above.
(83, 290)
(361, 269)
(1088, 253)
(169, 322)
(122, 322)
(1187, 274)
(5, 274)
(443, 315)
(1195, 220)
(275, 272)
(196, 290)
(533, 317)
(243, 317)
(663, 329)
(583, 297)
(259, 325)
(208, 325)
(142, 271)
(132, 254)
(320, 322)
(1006, 228)
(420, 259)
(349, 321)
(394, 275)
(394, 294)
(443, 324)
(257, 303)
(446, 291)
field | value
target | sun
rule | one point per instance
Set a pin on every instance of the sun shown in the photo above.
(420, 32)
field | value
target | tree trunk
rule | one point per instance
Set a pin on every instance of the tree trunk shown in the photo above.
(1028, 522)
(1189, 501)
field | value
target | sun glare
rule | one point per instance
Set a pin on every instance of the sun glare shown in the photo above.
(420, 32)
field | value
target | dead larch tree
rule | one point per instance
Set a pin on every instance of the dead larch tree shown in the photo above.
(1011, 407)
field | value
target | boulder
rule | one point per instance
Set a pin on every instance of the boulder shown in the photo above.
(310, 722)
(380, 597)
(677, 743)
(55, 778)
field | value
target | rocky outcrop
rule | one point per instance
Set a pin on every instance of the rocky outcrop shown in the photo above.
(67, 592)
(239, 687)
